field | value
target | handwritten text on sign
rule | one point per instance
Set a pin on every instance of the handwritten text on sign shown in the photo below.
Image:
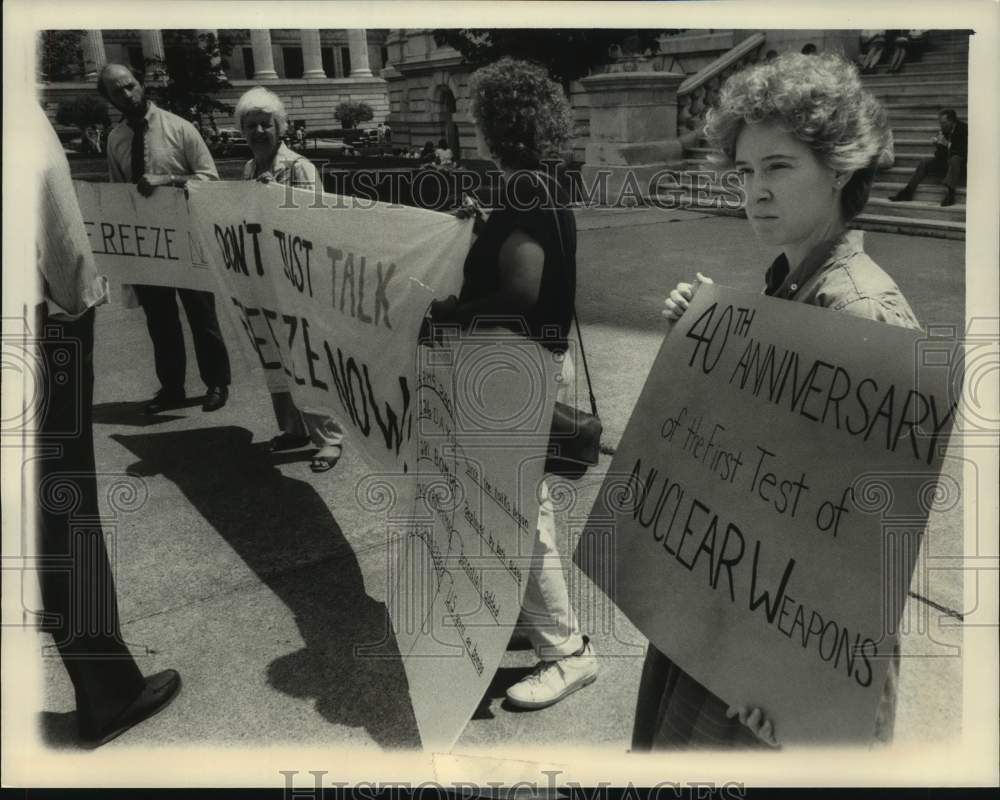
(736, 525)
(331, 300)
(484, 414)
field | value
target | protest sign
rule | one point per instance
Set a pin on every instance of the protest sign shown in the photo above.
(740, 524)
(145, 240)
(484, 413)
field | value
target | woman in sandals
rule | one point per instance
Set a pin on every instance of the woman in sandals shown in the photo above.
(262, 118)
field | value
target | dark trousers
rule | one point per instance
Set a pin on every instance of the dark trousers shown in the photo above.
(78, 592)
(950, 168)
(164, 324)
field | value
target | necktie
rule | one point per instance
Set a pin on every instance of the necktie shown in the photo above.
(138, 149)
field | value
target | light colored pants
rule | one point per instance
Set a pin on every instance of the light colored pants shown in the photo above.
(323, 430)
(547, 617)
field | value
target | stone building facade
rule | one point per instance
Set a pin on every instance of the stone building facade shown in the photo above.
(311, 70)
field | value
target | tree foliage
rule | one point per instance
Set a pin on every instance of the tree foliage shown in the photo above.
(82, 111)
(567, 53)
(196, 67)
(61, 55)
(350, 113)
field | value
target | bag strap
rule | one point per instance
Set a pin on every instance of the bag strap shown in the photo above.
(576, 321)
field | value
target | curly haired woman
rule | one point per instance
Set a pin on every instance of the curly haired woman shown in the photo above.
(807, 139)
(522, 267)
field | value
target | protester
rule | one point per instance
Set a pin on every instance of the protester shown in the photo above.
(151, 147)
(807, 139)
(77, 585)
(262, 118)
(951, 154)
(522, 267)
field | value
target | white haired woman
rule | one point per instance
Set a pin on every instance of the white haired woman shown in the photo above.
(262, 118)
(807, 139)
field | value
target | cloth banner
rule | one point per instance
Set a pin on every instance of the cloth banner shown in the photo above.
(145, 240)
(331, 300)
(330, 293)
(762, 515)
(461, 561)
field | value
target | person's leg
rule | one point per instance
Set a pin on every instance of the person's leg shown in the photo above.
(546, 612)
(209, 346)
(953, 177)
(78, 592)
(294, 432)
(567, 658)
(328, 436)
(925, 167)
(164, 325)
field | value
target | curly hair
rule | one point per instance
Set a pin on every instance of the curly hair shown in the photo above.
(818, 99)
(260, 99)
(523, 114)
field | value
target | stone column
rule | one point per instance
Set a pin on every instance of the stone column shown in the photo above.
(263, 58)
(154, 55)
(93, 55)
(357, 40)
(312, 54)
(633, 127)
(216, 55)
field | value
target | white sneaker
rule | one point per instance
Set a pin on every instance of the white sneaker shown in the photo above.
(551, 681)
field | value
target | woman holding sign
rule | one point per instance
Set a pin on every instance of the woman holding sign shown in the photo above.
(807, 140)
(262, 118)
(522, 267)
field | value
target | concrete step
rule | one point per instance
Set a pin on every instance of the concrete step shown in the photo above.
(913, 146)
(917, 209)
(926, 192)
(917, 227)
(923, 101)
(901, 120)
(918, 85)
(924, 109)
(916, 69)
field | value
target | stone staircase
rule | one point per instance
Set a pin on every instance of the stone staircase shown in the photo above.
(913, 98)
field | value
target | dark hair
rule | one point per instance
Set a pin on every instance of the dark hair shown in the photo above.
(442, 143)
(102, 90)
(950, 114)
(523, 114)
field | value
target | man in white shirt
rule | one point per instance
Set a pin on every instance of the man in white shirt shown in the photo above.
(151, 147)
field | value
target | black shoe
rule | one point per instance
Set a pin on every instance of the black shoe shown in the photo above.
(901, 197)
(159, 691)
(215, 398)
(165, 400)
(949, 198)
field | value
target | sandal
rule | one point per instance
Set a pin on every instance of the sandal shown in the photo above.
(288, 441)
(326, 458)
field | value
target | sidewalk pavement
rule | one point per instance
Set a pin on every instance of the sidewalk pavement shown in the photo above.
(256, 578)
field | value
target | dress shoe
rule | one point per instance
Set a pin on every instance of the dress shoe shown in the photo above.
(165, 399)
(215, 398)
(159, 691)
(901, 197)
(949, 198)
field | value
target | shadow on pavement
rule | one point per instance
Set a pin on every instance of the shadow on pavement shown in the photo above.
(134, 414)
(59, 730)
(281, 527)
